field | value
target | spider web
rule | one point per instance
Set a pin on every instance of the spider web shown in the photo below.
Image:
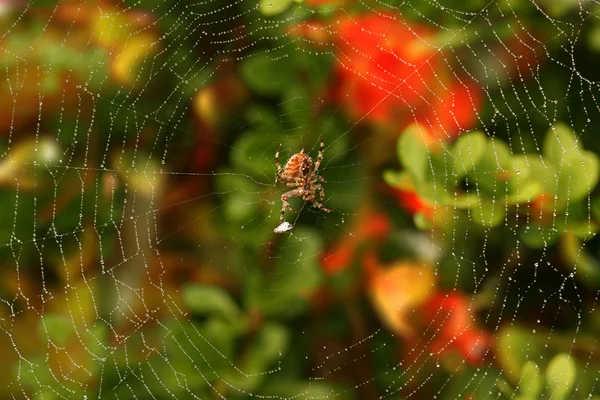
(138, 171)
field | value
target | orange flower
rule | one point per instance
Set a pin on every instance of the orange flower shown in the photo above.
(314, 31)
(398, 290)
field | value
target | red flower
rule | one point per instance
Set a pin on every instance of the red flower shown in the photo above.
(390, 73)
(454, 111)
(473, 345)
(381, 66)
(338, 258)
(377, 226)
(450, 311)
(542, 207)
(412, 203)
(450, 318)
(370, 225)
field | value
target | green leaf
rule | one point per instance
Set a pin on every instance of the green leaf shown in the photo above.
(593, 38)
(267, 346)
(520, 165)
(273, 7)
(514, 347)
(271, 342)
(505, 388)
(464, 201)
(496, 161)
(329, 127)
(295, 275)
(539, 237)
(467, 152)
(204, 350)
(249, 152)
(560, 144)
(44, 3)
(413, 152)
(400, 179)
(531, 380)
(47, 394)
(267, 75)
(596, 208)
(576, 257)
(435, 193)
(204, 299)
(421, 222)
(97, 340)
(241, 196)
(296, 106)
(526, 191)
(522, 186)
(543, 171)
(488, 213)
(581, 229)
(477, 383)
(498, 153)
(261, 117)
(560, 376)
(313, 389)
(579, 177)
(57, 328)
(317, 68)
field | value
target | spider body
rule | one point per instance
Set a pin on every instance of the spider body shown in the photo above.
(301, 174)
(298, 166)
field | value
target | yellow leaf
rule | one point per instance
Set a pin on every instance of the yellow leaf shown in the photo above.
(398, 290)
(137, 49)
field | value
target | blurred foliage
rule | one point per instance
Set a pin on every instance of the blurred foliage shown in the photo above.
(139, 258)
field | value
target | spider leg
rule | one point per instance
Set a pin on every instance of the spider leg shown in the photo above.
(286, 204)
(288, 180)
(320, 206)
(319, 156)
(317, 197)
(320, 192)
(279, 172)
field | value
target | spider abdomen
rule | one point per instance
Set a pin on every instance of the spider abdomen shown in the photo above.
(299, 165)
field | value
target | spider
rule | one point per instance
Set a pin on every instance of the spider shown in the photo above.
(300, 174)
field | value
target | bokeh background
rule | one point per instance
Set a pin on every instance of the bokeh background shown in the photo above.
(138, 199)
